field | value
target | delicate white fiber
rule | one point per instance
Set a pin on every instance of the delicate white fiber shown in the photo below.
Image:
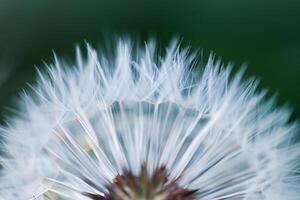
(85, 124)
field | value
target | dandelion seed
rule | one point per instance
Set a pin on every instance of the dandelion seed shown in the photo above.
(143, 127)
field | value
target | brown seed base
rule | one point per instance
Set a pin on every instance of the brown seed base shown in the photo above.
(157, 187)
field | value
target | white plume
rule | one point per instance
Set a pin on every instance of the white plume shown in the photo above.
(85, 124)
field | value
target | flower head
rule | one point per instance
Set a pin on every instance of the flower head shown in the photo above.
(139, 126)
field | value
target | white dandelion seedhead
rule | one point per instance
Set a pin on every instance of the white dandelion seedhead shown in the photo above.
(139, 126)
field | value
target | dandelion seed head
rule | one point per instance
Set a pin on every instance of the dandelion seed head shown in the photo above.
(143, 126)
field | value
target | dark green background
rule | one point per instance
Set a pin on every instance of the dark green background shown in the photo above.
(265, 34)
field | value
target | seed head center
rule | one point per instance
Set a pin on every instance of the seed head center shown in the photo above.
(144, 187)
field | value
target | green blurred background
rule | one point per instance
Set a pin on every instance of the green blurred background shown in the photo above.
(265, 34)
